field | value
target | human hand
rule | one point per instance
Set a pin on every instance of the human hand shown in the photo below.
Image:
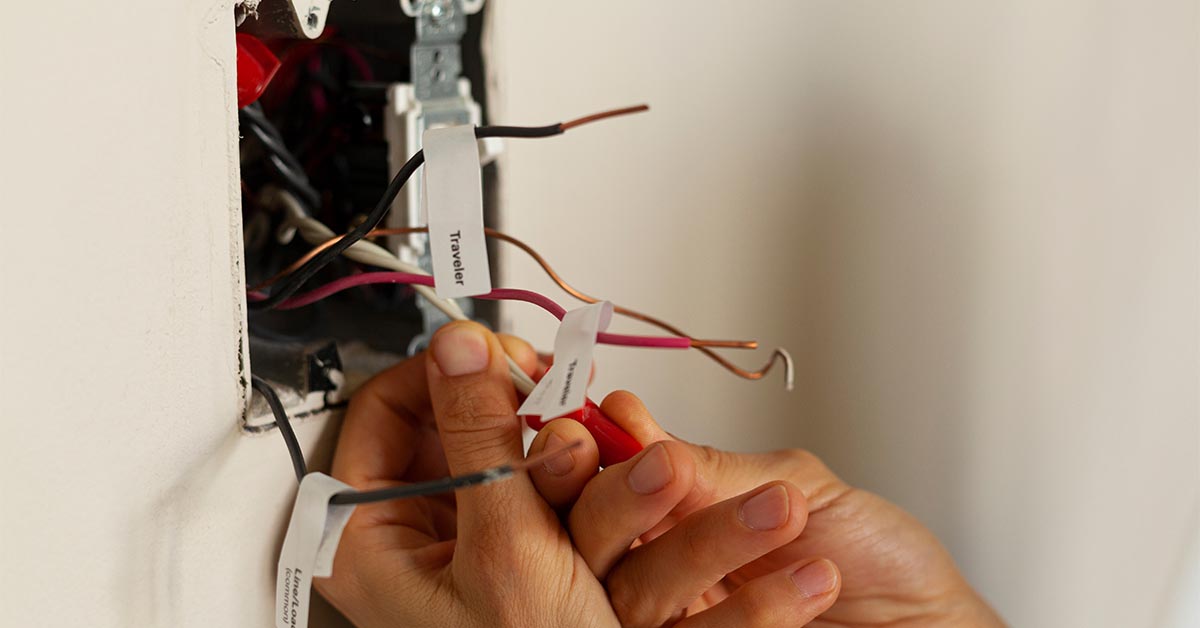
(695, 552)
(493, 555)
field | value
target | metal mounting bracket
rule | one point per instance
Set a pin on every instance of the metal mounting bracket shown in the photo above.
(304, 19)
(438, 96)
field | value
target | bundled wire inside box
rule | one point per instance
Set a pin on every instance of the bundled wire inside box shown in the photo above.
(315, 154)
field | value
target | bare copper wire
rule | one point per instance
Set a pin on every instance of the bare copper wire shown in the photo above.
(541, 261)
(612, 113)
(703, 346)
(538, 459)
(563, 127)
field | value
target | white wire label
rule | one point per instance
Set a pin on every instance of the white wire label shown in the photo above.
(454, 205)
(563, 388)
(312, 539)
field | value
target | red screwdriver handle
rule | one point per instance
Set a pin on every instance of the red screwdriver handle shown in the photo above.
(615, 445)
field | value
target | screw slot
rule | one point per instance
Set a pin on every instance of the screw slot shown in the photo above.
(313, 20)
(439, 10)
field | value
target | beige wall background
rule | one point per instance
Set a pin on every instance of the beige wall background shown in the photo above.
(973, 223)
(129, 498)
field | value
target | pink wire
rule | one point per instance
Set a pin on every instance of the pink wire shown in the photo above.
(505, 294)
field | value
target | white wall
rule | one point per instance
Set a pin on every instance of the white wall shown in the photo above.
(974, 224)
(128, 496)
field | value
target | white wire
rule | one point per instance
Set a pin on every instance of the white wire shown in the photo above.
(315, 232)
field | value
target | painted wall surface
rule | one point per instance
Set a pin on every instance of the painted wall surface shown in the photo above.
(129, 496)
(973, 223)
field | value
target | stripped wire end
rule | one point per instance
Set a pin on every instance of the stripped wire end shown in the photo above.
(534, 461)
(725, 344)
(624, 111)
(789, 368)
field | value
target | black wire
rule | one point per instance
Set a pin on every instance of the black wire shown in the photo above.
(284, 162)
(296, 183)
(284, 425)
(433, 487)
(534, 132)
(268, 133)
(292, 283)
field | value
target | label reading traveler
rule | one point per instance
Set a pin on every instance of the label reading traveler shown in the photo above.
(454, 206)
(563, 389)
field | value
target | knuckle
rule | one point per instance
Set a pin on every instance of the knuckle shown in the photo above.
(713, 463)
(708, 469)
(710, 457)
(802, 459)
(802, 463)
(821, 486)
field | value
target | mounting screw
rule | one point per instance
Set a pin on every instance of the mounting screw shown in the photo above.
(439, 10)
(313, 18)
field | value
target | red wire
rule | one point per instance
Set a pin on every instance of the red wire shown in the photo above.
(506, 294)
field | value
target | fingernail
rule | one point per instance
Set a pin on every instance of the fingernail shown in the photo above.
(460, 350)
(815, 579)
(767, 510)
(653, 472)
(562, 463)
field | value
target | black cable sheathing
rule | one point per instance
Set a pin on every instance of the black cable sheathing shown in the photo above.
(284, 425)
(285, 164)
(432, 487)
(519, 131)
(293, 282)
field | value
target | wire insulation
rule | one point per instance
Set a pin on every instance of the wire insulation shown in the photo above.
(703, 346)
(508, 294)
(285, 163)
(292, 283)
(433, 487)
(315, 232)
(446, 485)
(537, 257)
(284, 425)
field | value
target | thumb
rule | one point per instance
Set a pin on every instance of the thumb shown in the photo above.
(475, 407)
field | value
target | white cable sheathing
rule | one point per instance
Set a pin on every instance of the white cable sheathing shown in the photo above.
(315, 232)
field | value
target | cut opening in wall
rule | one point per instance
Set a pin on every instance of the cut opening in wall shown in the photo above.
(338, 116)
